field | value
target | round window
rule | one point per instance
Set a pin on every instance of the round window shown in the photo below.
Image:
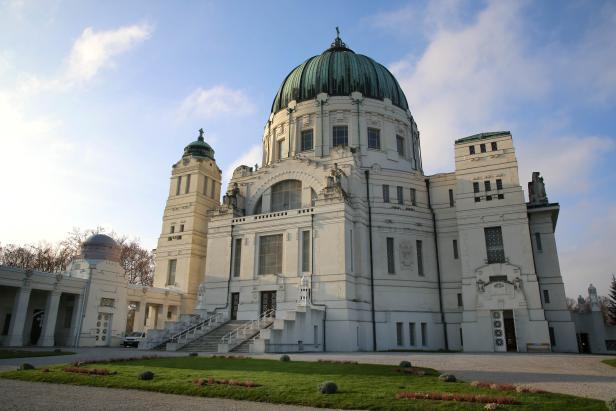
(497, 324)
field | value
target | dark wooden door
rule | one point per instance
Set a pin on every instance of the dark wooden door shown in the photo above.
(510, 335)
(235, 303)
(268, 301)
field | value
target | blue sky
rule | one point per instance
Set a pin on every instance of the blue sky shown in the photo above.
(97, 100)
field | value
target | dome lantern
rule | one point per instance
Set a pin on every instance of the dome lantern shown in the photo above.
(199, 148)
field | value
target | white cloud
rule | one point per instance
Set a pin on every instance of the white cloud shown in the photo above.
(94, 50)
(213, 102)
(249, 158)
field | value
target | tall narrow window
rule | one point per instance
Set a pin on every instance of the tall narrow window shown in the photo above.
(340, 136)
(552, 336)
(270, 254)
(213, 189)
(305, 251)
(546, 296)
(412, 333)
(499, 184)
(400, 192)
(475, 187)
(424, 334)
(451, 203)
(399, 334)
(374, 138)
(171, 272)
(471, 150)
(487, 185)
(494, 245)
(391, 264)
(455, 249)
(494, 146)
(482, 147)
(187, 184)
(178, 187)
(461, 339)
(538, 241)
(172, 229)
(385, 193)
(237, 257)
(279, 148)
(204, 185)
(307, 142)
(420, 267)
(400, 145)
(413, 197)
(460, 303)
(181, 228)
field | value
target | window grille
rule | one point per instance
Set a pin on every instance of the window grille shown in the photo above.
(171, 272)
(400, 193)
(374, 138)
(307, 142)
(286, 195)
(494, 245)
(420, 267)
(385, 193)
(305, 251)
(270, 254)
(413, 197)
(391, 264)
(399, 334)
(400, 145)
(340, 136)
(237, 257)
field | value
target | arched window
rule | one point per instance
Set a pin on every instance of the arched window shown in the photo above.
(286, 195)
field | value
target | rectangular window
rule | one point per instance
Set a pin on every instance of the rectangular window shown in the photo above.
(488, 198)
(374, 138)
(204, 185)
(461, 339)
(455, 249)
(385, 193)
(460, 304)
(340, 136)
(477, 199)
(538, 241)
(546, 296)
(552, 336)
(494, 146)
(400, 145)
(178, 187)
(181, 228)
(471, 150)
(482, 147)
(270, 254)
(172, 229)
(305, 251)
(171, 272)
(501, 196)
(487, 185)
(497, 278)
(499, 184)
(187, 184)
(451, 203)
(307, 140)
(391, 264)
(413, 197)
(420, 268)
(424, 334)
(399, 335)
(411, 333)
(237, 257)
(494, 245)
(400, 195)
(475, 187)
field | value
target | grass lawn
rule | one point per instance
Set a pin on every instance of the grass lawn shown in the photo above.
(4, 354)
(611, 362)
(360, 386)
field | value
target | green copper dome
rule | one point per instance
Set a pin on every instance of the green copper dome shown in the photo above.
(339, 71)
(199, 148)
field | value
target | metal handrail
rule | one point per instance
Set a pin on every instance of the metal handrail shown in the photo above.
(251, 327)
(219, 317)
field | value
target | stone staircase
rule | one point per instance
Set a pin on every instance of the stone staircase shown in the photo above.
(209, 342)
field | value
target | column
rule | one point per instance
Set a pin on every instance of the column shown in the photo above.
(49, 321)
(76, 316)
(163, 316)
(18, 317)
(151, 320)
(139, 321)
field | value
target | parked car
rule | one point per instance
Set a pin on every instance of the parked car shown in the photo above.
(132, 339)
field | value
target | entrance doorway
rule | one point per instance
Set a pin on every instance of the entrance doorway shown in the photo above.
(37, 326)
(235, 303)
(268, 301)
(510, 339)
(583, 343)
(103, 328)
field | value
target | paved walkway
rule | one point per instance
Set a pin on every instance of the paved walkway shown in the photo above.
(576, 374)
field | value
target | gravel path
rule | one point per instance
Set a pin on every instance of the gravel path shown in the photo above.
(39, 396)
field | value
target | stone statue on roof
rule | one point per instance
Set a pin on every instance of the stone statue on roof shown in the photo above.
(536, 190)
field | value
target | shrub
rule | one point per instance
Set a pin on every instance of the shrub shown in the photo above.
(26, 366)
(483, 399)
(447, 378)
(45, 369)
(405, 364)
(193, 354)
(146, 376)
(611, 404)
(491, 406)
(328, 387)
(285, 358)
(90, 371)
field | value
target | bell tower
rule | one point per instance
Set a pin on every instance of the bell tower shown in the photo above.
(194, 189)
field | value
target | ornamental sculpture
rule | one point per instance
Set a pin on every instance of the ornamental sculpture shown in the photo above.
(536, 190)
